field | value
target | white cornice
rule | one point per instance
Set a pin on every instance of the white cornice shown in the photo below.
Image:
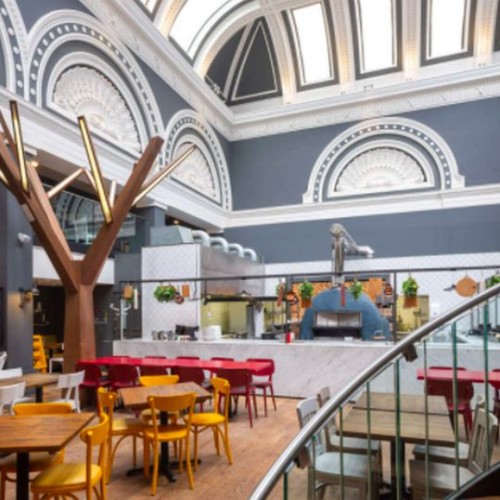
(376, 205)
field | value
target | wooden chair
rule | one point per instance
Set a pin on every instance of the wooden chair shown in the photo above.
(218, 422)
(441, 477)
(38, 460)
(325, 468)
(118, 427)
(177, 432)
(67, 478)
(445, 454)
(464, 396)
(240, 381)
(70, 384)
(264, 381)
(359, 446)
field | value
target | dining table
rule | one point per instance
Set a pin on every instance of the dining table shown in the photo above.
(136, 399)
(448, 374)
(34, 380)
(24, 434)
(254, 367)
(415, 426)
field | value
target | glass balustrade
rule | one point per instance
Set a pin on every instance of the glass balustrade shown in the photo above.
(422, 423)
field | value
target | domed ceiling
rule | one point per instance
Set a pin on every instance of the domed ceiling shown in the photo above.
(298, 51)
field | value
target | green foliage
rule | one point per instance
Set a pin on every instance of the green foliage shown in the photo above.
(164, 293)
(356, 289)
(493, 280)
(306, 290)
(410, 287)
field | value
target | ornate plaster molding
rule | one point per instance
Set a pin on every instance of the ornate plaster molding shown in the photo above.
(60, 27)
(403, 134)
(185, 127)
(84, 91)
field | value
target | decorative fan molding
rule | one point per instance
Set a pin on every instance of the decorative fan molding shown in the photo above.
(380, 169)
(414, 147)
(196, 173)
(205, 172)
(84, 91)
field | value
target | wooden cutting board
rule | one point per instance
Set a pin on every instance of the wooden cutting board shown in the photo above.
(466, 287)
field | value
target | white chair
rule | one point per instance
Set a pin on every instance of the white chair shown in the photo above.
(11, 373)
(3, 359)
(70, 382)
(325, 468)
(57, 359)
(445, 454)
(441, 477)
(349, 444)
(10, 395)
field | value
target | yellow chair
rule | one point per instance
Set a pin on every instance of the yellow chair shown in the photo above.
(152, 380)
(39, 359)
(176, 433)
(218, 422)
(118, 427)
(64, 479)
(38, 460)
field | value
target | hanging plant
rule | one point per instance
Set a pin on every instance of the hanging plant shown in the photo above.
(356, 289)
(493, 280)
(164, 293)
(410, 289)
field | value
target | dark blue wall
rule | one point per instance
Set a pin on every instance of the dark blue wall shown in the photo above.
(274, 170)
(32, 10)
(463, 230)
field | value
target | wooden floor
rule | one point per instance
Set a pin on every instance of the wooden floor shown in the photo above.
(254, 450)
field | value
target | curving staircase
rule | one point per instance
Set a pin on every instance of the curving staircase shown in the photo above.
(426, 451)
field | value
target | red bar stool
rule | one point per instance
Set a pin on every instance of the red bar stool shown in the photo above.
(266, 382)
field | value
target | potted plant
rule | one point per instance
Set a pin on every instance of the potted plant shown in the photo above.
(306, 291)
(356, 289)
(164, 293)
(493, 280)
(410, 289)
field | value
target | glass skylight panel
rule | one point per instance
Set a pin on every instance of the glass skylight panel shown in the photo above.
(447, 24)
(150, 4)
(312, 43)
(193, 17)
(377, 34)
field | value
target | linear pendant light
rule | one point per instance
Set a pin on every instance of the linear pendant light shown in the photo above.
(18, 137)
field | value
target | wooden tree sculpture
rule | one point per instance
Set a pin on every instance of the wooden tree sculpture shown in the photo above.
(77, 276)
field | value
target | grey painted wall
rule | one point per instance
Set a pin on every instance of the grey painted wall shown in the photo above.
(16, 263)
(274, 170)
(32, 10)
(464, 230)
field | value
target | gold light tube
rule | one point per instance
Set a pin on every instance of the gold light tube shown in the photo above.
(156, 179)
(66, 182)
(18, 137)
(3, 180)
(96, 171)
(112, 192)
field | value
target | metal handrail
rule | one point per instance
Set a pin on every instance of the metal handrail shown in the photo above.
(312, 427)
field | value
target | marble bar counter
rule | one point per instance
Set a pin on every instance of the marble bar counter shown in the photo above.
(302, 367)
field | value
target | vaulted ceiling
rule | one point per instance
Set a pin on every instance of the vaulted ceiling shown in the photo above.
(257, 54)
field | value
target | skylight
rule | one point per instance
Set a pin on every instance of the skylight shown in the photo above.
(195, 20)
(376, 34)
(447, 26)
(150, 4)
(312, 43)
